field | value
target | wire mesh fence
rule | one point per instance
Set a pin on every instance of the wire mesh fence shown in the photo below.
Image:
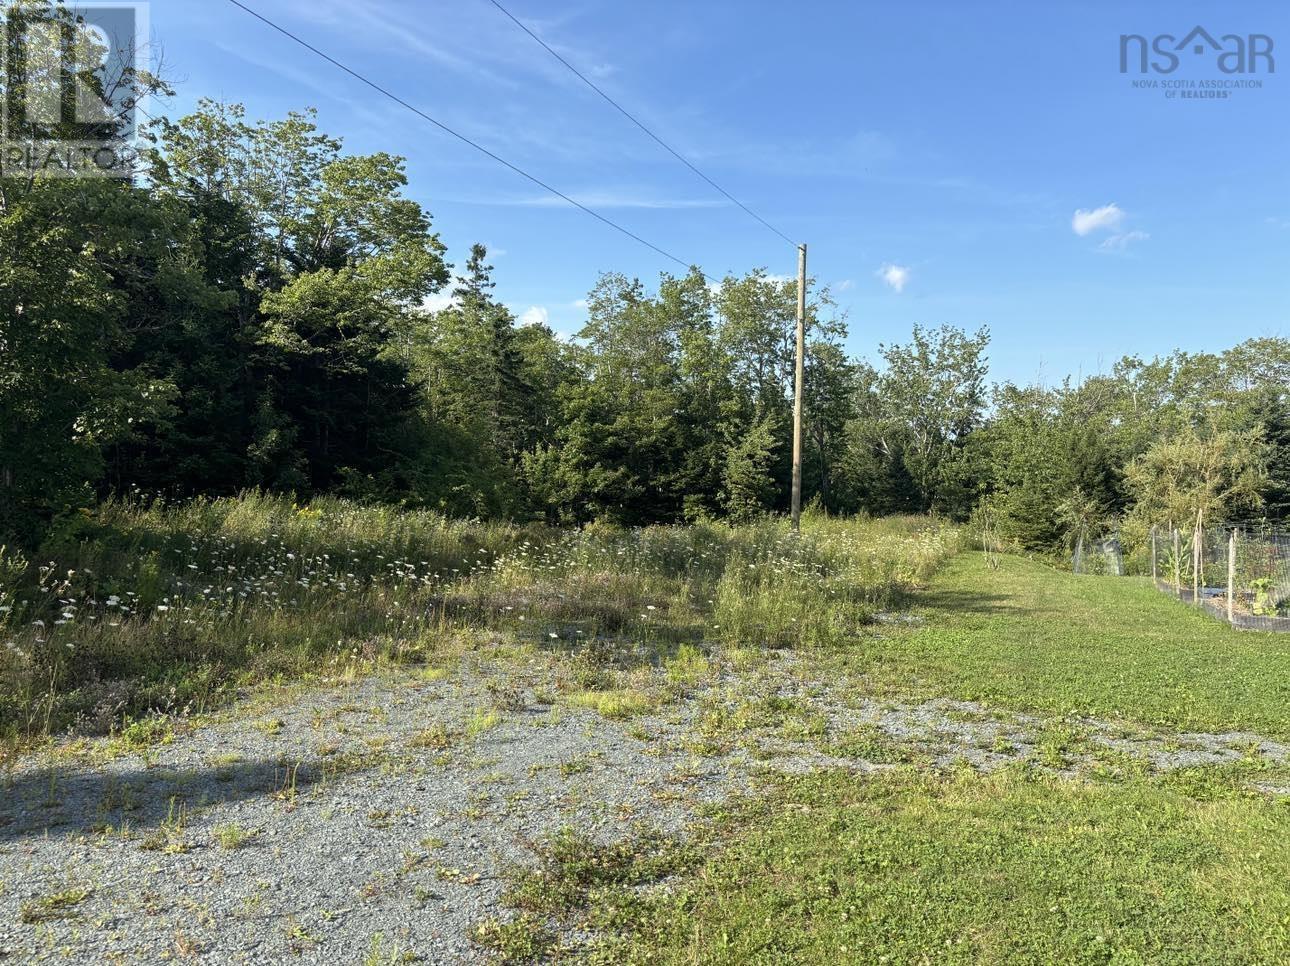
(1240, 573)
(1103, 556)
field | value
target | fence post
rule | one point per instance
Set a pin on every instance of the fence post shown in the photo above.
(1177, 563)
(1197, 562)
(1153, 555)
(1231, 575)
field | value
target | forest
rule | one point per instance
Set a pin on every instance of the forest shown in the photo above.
(250, 313)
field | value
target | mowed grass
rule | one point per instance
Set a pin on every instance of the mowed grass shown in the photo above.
(1029, 637)
(1006, 868)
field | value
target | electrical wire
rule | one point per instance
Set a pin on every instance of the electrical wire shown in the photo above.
(627, 114)
(461, 137)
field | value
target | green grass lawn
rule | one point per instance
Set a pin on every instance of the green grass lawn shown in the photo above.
(1029, 637)
(1012, 867)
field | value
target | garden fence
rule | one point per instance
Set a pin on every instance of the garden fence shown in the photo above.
(1238, 572)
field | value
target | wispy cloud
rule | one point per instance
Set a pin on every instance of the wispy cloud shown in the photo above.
(1122, 240)
(374, 113)
(845, 285)
(895, 277)
(1088, 220)
(1109, 218)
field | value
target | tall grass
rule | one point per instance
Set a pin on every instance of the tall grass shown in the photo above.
(142, 606)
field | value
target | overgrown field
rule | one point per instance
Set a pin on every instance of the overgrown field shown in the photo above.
(143, 607)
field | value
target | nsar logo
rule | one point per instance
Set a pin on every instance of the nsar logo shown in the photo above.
(1235, 53)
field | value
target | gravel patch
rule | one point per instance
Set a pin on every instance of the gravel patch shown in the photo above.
(380, 816)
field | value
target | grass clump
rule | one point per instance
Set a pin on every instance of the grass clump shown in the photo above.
(524, 939)
(437, 737)
(230, 836)
(619, 704)
(572, 870)
(482, 720)
(687, 667)
(55, 906)
(147, 733)
(868, 743)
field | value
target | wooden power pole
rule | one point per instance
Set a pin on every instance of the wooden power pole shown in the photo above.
(797, 388)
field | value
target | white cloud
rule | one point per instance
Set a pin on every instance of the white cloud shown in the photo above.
(535, 315)
(580, 304)
(437, 302)
(845, 285)
(1108, 217)
(1122, 240)
(895, 276)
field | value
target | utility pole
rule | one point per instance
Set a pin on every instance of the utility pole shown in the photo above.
(797, 388)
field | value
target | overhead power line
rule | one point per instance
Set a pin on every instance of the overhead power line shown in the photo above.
(461, 137)
(631, 117)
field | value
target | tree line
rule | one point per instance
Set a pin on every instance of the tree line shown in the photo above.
(250, 312)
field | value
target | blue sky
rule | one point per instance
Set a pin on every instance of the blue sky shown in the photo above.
(965, 163)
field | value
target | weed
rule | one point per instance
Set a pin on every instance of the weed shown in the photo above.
(231, 836)
(55, 906)
(435, 738)
(614, 704)
(575, 766)
(869, 743)
(522, 940)
(687, 666)
(146, 733)
(481, 721)
(571, 867)
(169, 835)
(269, 726)
(379, 955)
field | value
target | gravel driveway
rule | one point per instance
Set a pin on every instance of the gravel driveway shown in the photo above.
(374, 821)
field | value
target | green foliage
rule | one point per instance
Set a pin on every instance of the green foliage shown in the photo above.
(749, 486)
(253, 312)
(1195, 477)
(908, 442)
